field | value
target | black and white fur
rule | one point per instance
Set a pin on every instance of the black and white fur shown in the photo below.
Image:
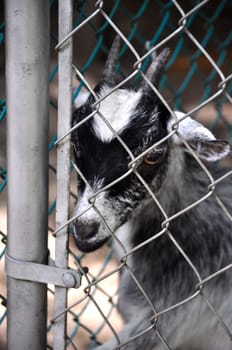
(204, 232)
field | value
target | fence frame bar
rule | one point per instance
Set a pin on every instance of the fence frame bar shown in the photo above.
(63, 165)
(27, 71)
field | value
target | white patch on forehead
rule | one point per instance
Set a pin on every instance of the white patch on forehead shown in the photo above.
(117, 108)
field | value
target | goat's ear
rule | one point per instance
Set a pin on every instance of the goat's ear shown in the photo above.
(199, 138)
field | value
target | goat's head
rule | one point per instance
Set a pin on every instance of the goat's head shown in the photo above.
(140, 120)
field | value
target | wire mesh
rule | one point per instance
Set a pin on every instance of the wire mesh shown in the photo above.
(197, 80)
(196, 50)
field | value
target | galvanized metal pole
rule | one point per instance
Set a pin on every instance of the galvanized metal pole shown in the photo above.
(27, 60)
(63, 165)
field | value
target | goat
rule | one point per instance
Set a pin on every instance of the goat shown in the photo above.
(171, 259)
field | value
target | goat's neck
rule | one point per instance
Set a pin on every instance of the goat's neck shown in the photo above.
(171, 195)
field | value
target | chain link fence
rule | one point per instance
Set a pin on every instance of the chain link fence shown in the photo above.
(197, 80)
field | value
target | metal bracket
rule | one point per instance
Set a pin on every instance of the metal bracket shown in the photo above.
(47, 274)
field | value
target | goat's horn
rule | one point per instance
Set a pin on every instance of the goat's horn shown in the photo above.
(109, 70)
(156, 68)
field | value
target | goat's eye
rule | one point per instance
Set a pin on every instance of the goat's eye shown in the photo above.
(153, 158)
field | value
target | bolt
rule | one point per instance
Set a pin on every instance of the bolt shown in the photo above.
(69, 280)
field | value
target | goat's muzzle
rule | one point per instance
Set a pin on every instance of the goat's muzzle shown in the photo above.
(86, 235)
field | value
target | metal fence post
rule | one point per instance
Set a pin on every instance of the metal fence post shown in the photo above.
(63, 165)
(27, 59)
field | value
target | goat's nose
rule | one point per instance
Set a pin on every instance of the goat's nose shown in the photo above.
(85, 230)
